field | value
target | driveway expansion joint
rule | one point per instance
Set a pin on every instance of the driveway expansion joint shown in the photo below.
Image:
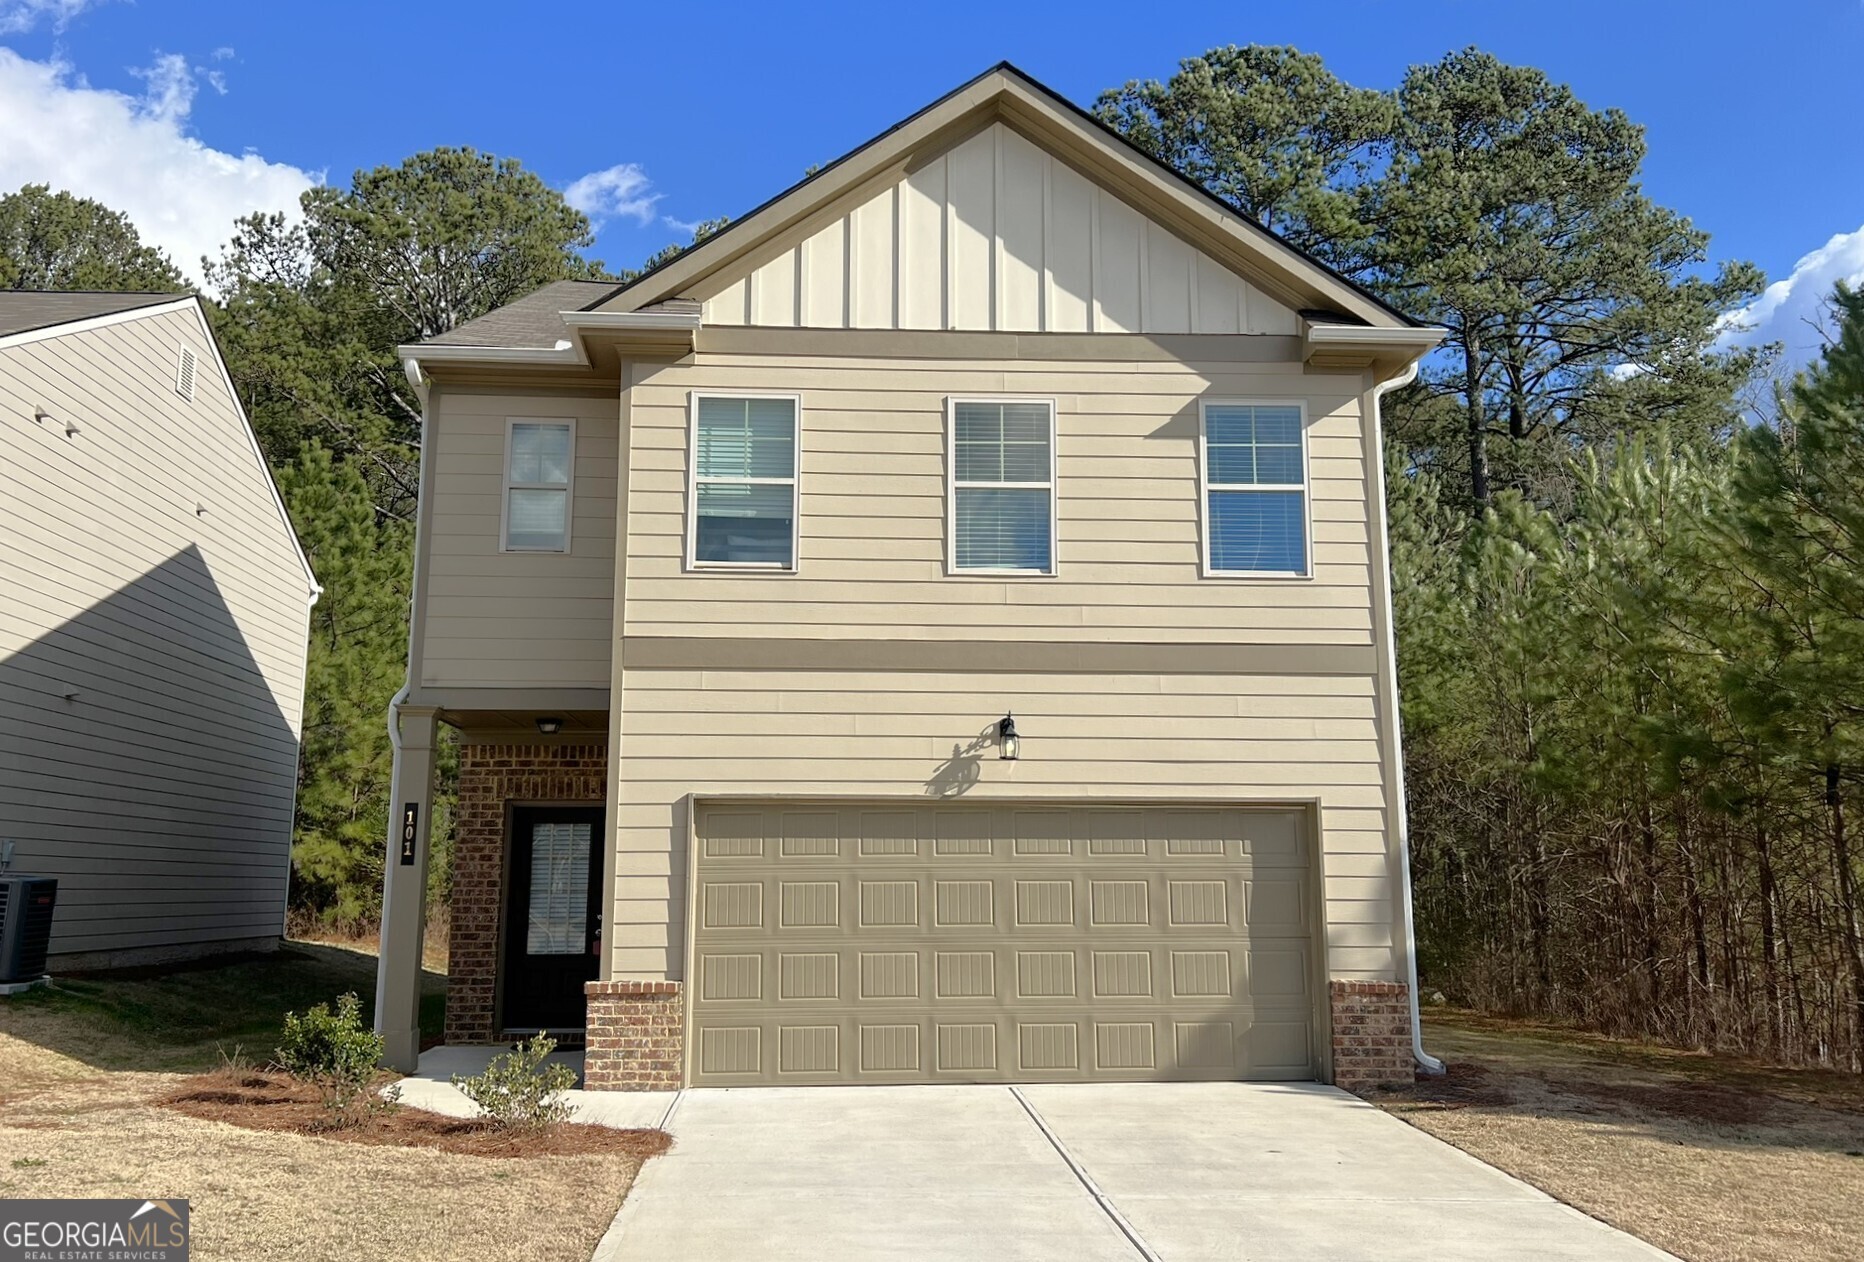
(1101, 1199)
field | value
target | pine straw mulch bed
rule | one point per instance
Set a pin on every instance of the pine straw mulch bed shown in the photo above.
(270, 1100)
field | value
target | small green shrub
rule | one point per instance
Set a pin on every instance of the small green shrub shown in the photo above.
(518, 1091)
(333, 1050)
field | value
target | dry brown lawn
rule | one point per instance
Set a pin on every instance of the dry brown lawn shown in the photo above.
(78, 1117)
(1714, 1159)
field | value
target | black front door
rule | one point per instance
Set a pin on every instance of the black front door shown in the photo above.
(553, 924)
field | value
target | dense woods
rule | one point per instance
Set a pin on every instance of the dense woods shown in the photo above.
(1628, 564)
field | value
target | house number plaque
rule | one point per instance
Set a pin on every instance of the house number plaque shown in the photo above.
(410, 821)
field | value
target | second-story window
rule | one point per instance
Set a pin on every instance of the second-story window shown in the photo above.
(742, 509)
(540, 457)
(1002, 518)
(1255, 490)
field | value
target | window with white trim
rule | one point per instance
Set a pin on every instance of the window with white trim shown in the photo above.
(742, 507)
(540, 457)
(1255, 489)
(1002, 518)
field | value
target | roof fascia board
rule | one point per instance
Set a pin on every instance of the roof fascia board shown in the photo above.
(88, 323)
(1003, 94)
(252, 441)
(1263, 258)
(865, 165)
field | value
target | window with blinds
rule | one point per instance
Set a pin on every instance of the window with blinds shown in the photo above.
(539, 459)
(1255, 480)
(558, 921)
(743, 493)
(1002, 486)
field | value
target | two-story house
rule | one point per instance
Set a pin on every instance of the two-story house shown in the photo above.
(154, 615)
(936, 629)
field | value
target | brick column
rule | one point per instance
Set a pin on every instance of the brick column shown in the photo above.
(491, 778)
(1371, 1035)
(637, 1036)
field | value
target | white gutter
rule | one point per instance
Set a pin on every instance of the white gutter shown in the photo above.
(1425, 1061)
(563, 353)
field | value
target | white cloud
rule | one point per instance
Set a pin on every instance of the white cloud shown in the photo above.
(23, 15)
(1792, 311)
(135, 154)
(622, 190)
(688, 226)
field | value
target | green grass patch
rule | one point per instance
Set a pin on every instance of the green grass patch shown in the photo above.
(186, 1017)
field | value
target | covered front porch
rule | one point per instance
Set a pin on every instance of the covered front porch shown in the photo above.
(527, 889)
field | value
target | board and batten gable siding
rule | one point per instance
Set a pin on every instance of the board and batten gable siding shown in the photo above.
(498, 619)
(995, 234)
(702, 716)
(153, 610)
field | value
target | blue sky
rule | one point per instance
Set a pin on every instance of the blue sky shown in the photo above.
(186, 113)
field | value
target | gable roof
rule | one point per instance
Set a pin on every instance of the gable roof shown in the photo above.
(23, 311)
(1006, 93)
(56, 313)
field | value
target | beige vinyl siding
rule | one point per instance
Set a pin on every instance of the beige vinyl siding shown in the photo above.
(160, 794)
(514, 619)
(994, 234)
(909, 735)
(872, 496)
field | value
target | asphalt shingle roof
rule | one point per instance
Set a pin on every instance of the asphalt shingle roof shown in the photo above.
(23, 310)
(533, 320)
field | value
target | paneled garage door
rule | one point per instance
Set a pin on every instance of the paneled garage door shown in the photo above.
(852, 944)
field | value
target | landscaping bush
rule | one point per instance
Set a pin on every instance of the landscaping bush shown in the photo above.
(518, 1091)
(335, 1051)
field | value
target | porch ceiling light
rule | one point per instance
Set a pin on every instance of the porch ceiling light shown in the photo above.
(550, 726)
(1009, 744)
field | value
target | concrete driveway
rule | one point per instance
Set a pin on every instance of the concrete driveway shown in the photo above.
(1160, 1171)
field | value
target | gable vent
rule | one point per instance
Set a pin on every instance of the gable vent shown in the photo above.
(184, 375)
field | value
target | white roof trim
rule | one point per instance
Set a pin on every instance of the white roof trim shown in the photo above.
(225, 378)
(88, 323)
(191, 302)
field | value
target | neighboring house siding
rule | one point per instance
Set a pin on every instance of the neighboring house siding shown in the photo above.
(1226, 689)
(872, 494)
(995, 234)
(516, 619)
(160, 794)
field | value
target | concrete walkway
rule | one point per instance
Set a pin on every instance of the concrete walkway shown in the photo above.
(1172, 1172)
(431, 1087)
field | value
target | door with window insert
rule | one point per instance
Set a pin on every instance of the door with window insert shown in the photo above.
(553, 922)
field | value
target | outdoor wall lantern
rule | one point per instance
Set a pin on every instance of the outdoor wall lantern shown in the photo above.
(550, 727)
(1009, 744)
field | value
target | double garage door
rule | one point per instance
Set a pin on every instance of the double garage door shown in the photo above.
(948, 943)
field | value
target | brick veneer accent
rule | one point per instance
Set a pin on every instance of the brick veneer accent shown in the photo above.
(491, 777)
(637, 1036)
(1371, 1035)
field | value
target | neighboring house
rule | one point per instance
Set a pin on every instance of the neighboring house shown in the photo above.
(729, 576)
(154, 605)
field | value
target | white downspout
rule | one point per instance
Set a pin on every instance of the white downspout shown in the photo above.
(1425, 1061)
(412, 368)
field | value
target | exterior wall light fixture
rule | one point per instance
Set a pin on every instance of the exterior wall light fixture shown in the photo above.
(550, 727)
(1009, 744)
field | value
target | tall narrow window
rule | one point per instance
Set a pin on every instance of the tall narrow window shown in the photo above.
(743, 504)
(539, 457)
(1003, 486)
(1255, 478)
